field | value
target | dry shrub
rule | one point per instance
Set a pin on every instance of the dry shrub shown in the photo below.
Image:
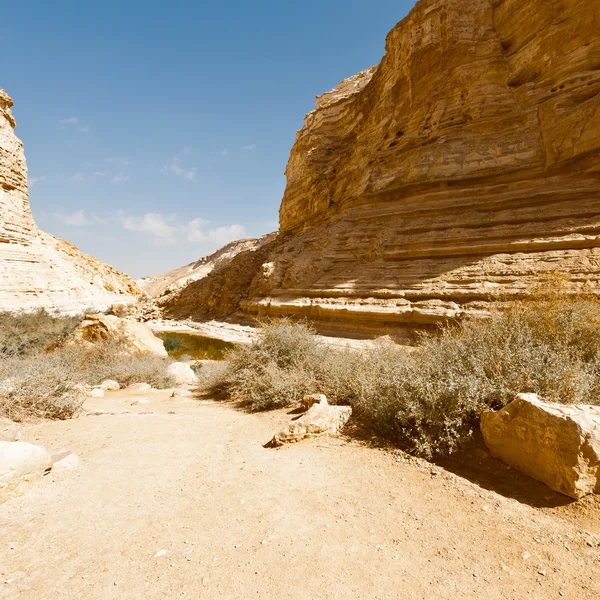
(429, 401)
(43, 374)
(23, 332)
(278, 369)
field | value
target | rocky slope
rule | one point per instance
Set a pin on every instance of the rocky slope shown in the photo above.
(168, 284)
(466, 164)
(220, 282)
(38, 269)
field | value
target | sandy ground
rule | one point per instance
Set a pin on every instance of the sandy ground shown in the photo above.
(179, 499)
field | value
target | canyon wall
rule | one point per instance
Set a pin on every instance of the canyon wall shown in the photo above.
(465, 165)
(38, 269)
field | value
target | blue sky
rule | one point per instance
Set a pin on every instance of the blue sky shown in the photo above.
(157, 131)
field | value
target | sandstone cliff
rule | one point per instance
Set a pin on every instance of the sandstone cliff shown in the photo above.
(467, 163)
(37, 269)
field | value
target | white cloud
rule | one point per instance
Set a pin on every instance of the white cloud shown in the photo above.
(119, 179)
(250, 148)
(169, 229)
(174, 166)
(74, 122)
(76, 219)
(218, 236)
(162, 228)
(35, 180)
(101, 174)
(77, 177)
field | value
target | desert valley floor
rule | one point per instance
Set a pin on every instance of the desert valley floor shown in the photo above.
(178, 498)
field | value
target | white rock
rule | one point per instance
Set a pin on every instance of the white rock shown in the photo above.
(110, 385)
(321, 419)
(182, 393)
(557, 444)
(65, 462)
(97, 392)
(21, 461)
(139, 387)
(140, 401)
(182, 373)
(9, 431)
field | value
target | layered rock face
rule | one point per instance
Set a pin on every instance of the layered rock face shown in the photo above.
(38, 269)
(466, 164)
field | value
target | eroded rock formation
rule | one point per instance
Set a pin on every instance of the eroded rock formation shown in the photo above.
(467, 163)
(38, 269)
(553, 443)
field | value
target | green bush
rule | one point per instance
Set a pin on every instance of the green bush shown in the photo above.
(429, 399)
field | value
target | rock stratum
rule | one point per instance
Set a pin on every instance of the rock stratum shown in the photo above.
(37, 269)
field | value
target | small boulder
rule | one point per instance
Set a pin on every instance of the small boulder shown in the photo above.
(321, 419)
(65, 461)
(139, 387)
(312, 399)
(21, 461)
(110, 385)
(137, 337)
(97, 392)
(9, 431)
(556, 444)
(182, 373)
(182, 393)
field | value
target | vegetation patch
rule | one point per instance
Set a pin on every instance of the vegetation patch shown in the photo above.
(429, 400)
(45, 373)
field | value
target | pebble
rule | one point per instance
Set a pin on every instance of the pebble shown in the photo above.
(160, 553)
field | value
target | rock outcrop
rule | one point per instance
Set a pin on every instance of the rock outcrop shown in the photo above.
(38, 269)
(556, 444)
(136, 337)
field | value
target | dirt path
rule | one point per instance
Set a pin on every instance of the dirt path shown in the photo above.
(321, 520)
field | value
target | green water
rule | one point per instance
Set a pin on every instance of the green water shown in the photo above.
(198, 347)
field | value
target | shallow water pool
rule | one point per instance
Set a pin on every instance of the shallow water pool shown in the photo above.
(193, 346)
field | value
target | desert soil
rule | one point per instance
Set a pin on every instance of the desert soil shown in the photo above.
(179, 499)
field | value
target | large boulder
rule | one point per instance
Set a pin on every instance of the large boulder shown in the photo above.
(137, 336)
(21, 462)
(556, 444)
(321, 419)
(182, 374)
